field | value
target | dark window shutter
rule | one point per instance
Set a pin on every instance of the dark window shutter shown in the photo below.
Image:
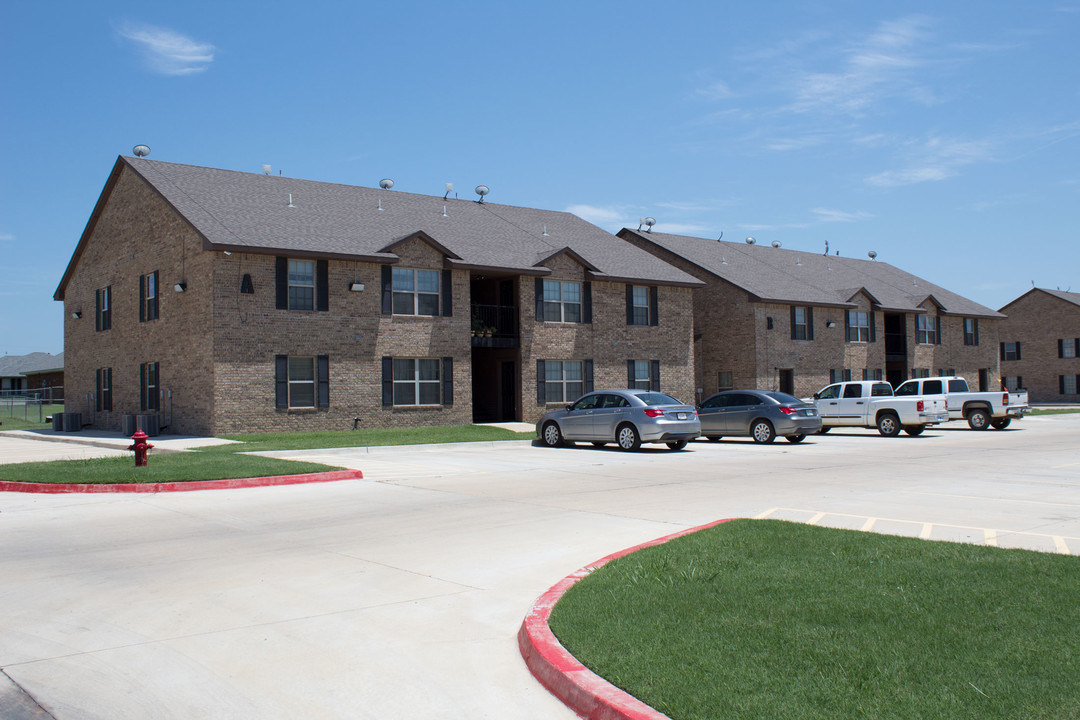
(847, 326)
(447, 293)
(142, 298)
(322, 285)
(387, 381)
(629, 373)
(97, 311)
(588, 376)
(281, 381)
(142, 386)
(157, 297)
(541, 384)
(448, 381)
(540, 301)
(1061, 384)
(873, 327)
(1019, 382)
(656, 376)
(976, 331)
(586, 303)
(792, 322)
(1002, 357)
(324, 380)
(629, 304)
(99, 398)
(810, 324)
(281, 282)
(387, 290)
(654, 305)
(939, 327)
(1077, 341)
(1017, 349)
(1061, 348)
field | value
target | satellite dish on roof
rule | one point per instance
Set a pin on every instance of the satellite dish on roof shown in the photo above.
(750, 241)
(386, 183)
(776, 243)
(482, 190)
(141, 150)
(649, 222)
(872, 254)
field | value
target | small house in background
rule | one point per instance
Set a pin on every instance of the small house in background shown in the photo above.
(1040, 345)
(39, 376)
(776, 319)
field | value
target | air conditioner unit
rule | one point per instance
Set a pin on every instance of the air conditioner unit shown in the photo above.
(149, 423)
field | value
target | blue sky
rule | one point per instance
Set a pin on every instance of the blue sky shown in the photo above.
(944, 136)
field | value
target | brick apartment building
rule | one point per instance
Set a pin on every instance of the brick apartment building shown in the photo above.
(777, 319)
(222, 302)
(1040, 345)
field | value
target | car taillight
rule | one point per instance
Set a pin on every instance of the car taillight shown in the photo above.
(919, 406)
(1004, 398)
(788, 410)
(946, 403)
(654, 412)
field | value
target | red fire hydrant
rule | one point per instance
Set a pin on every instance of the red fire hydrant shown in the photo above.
(140, 446)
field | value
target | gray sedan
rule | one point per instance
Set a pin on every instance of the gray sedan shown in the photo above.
(625, 417)
(761, 414)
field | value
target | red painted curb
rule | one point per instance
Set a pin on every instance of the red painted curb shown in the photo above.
(234, 483)
(582, 690)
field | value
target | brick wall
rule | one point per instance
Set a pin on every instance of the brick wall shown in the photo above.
(1037, 320)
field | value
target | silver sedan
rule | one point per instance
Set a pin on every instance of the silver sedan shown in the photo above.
(625, 417)
(761, 414)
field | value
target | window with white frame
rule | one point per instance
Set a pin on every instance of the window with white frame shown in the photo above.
(302, 285)
(725, 380)
(642, 375)
(1010, 351)
(103, 311)
(416, 292)
(148, 297)
(148, 379)
(920, 373)
(799, 324)
(640, 305)
(301, 381)
(1068, 384)
(104, 389)
(562, 301)
(858, 326)
(564, 380)
(1068, 348)
(925, 330)
(971, 331)
(417, 381)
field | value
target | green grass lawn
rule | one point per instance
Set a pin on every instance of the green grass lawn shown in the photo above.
(1053, 411)
(768, 619)
(25, 417)
(225, 461)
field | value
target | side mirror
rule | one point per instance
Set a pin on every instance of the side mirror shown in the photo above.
(817, 396)
(569, 407)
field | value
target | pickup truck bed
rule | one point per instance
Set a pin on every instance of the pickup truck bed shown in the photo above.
(981, 409)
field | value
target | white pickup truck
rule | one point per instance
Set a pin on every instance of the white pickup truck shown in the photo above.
(872, 404)
(981, 409)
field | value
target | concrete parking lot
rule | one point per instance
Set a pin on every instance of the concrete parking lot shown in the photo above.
(399, 595)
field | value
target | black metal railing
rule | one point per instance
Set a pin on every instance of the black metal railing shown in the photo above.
(494, 325)
(895, 344)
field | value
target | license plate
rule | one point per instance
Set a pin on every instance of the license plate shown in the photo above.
(809, 413)
(680, 416)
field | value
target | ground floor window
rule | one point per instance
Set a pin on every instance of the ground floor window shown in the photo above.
(643, 374)
(302, 381)
(104, 390)
(1068, 384)
(148, 384)
(920, 372)
(836, 376)
(564, 380)
(416, 381)
(725, 380)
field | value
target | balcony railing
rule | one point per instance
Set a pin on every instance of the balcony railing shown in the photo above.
(495, 326)
(895, 344)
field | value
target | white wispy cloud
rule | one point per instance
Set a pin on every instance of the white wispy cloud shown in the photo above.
(718, 90)
(933, 160)
(831, 215)
(168, 52)
(602, 216)
(6, 237)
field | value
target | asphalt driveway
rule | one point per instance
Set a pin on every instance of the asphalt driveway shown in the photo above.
(399, 595)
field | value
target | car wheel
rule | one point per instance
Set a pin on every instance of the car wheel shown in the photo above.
(627, 437)
(762, 432)
(824, 429)
(914, 430)
(795, 438)
(552, 435)
(677, 445)
(598, 443)
(888, 425)
(1000, 423)
(978, 419)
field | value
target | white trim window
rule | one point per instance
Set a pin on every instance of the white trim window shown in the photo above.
(800, 326)
(564, 380)
(642, 375)
(858, 326)
(725, 380)
(1068, 348)
(301, 381)
(562, 301)
(925, 330)
(302, 286)
(640, 305)
(1068, 384)
(417, 381)
(416, 292)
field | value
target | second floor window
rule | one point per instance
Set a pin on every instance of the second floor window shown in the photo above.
(148, 297)
(1010, 351)
(302, 285)
(858, 326)
(103, 311)
(926, 330)
(971, 331)
(562, 301)
(416, 292)
(800, 326)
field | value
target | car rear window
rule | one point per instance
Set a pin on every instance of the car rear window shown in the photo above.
(657, 399)
(881, 389)
(783, 398)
